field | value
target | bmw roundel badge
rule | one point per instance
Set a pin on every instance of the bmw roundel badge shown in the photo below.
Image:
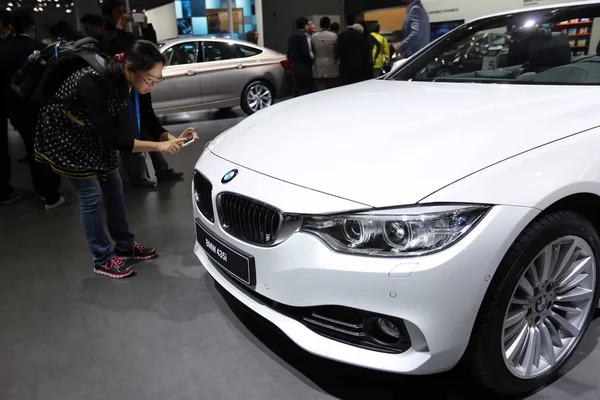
(229, 176)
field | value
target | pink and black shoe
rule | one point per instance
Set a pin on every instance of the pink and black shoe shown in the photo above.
(137, 252)
(114, 268)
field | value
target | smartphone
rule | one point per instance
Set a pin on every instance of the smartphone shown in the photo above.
(187, 143)
(138, 17)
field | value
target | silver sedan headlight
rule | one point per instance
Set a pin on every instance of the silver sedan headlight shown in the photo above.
(399, 232)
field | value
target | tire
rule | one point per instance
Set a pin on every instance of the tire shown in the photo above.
(490, 345)
(257, 88)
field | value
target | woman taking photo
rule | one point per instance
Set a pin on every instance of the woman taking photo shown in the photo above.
(80, 140)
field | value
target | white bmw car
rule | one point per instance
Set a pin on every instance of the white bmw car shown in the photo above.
(408, 223)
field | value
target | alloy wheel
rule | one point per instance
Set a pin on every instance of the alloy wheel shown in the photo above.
(549, 307)
(259, 96)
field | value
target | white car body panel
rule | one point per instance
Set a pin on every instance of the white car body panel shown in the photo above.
(538, 115)
(537, 178)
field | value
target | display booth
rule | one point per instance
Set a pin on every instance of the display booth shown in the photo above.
(211, 17)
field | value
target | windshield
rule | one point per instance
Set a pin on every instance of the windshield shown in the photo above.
(554, 46)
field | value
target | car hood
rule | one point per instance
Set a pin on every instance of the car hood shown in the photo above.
(386, 143)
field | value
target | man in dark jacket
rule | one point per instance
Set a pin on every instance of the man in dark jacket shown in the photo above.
(299, 55)
(353, 54)
(114, 40)
(23, 114)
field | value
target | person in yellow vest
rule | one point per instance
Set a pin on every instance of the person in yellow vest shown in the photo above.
(380, 50)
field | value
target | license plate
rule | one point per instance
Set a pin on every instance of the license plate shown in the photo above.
(234, 261)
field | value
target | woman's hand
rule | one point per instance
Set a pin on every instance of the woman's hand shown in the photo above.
(188, 134)
(170, 146)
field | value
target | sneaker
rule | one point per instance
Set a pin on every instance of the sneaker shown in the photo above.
(14, 196)
(59, 203)
(137, 252)
(114, 268)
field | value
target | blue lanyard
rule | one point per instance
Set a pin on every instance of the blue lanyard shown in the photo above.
(136, 101)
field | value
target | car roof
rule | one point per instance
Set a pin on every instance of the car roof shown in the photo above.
(541, 7)
(211, 38)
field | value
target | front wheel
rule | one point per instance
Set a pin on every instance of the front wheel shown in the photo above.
(256, 96)
(538, 306)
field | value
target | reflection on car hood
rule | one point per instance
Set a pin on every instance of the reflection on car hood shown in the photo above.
(384, 143)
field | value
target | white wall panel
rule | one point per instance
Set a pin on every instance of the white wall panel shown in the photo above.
(164, 21)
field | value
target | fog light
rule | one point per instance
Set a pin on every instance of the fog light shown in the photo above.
(388, 328)
(383, 331)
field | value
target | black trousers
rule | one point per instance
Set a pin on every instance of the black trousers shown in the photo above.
(46, 182)
(303, 81)
(5, 163)
(134, 164)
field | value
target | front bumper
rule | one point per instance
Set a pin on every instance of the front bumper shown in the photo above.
(437, 296)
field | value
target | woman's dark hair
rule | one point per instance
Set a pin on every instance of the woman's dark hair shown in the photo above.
(20, 21)
(140, 57)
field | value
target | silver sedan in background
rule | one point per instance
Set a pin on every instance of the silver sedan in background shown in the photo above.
(206, 73)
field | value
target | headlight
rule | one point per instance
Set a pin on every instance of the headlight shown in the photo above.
(401, 232)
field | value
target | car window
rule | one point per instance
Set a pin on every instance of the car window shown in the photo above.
(182, 53)
(247, 51)
(217, 51)
(551, 46)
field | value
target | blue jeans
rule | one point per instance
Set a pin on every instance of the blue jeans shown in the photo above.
(90, 192)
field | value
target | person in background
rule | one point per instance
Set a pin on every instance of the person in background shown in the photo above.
(23, 114)
(93, 25)
(114, 40)
(352, 53)
(299, 54)
(415, 30)
(323, 43)
(252, 36)
(380, 50)
(7, 192)
(63, 30)
(5, 30)
(81, 143)
(335, 28)
(312, 28)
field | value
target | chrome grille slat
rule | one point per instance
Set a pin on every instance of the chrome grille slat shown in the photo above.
(203, 189)
(247, 219)
(335, 321)
(333, 328)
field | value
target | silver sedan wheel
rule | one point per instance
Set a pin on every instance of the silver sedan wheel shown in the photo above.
(259, 96)
(549, 308)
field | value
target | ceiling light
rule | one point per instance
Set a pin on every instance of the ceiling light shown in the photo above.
(57, 5)
(10, 4)
(8, 9)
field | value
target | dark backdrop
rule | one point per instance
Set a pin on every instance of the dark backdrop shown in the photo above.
(353, 7)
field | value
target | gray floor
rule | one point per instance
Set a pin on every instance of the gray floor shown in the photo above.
(169, 333)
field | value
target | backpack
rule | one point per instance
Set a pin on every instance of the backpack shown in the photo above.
(44, 71)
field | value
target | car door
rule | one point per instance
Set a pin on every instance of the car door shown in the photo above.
(181, 88)
(224, 74)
